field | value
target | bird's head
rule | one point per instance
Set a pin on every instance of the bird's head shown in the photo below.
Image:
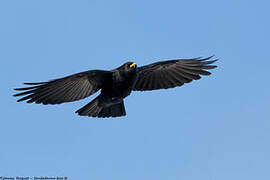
(130, 66)
(127, 69)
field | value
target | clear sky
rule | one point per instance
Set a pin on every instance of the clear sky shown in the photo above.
(214, 128)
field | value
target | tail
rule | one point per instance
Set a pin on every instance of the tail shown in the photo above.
(94, 109)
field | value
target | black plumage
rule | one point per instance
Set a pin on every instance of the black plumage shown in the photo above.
(115, 85)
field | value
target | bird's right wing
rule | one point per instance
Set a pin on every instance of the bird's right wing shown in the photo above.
(67, 89)
(172, 73)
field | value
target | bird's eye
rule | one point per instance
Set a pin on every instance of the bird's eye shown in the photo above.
(133, 65)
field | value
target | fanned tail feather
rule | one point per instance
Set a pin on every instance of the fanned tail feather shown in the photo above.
(95, 109)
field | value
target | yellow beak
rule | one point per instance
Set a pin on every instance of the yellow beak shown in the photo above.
(132, 65)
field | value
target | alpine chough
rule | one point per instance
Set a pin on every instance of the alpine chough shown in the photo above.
(115, 85)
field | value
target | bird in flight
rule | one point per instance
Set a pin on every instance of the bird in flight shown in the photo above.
(115, 85)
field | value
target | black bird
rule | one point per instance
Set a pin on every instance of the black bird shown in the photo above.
(115, 85)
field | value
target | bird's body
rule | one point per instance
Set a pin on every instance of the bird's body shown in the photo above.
(115, 85)
(120, 84)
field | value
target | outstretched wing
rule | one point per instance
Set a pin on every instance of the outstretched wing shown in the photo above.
(67, 89)
(172, 73)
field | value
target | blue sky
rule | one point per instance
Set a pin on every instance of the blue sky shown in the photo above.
(214, 128)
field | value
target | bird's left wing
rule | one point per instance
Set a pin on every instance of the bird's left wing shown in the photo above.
(67, 89)
(172, 73)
